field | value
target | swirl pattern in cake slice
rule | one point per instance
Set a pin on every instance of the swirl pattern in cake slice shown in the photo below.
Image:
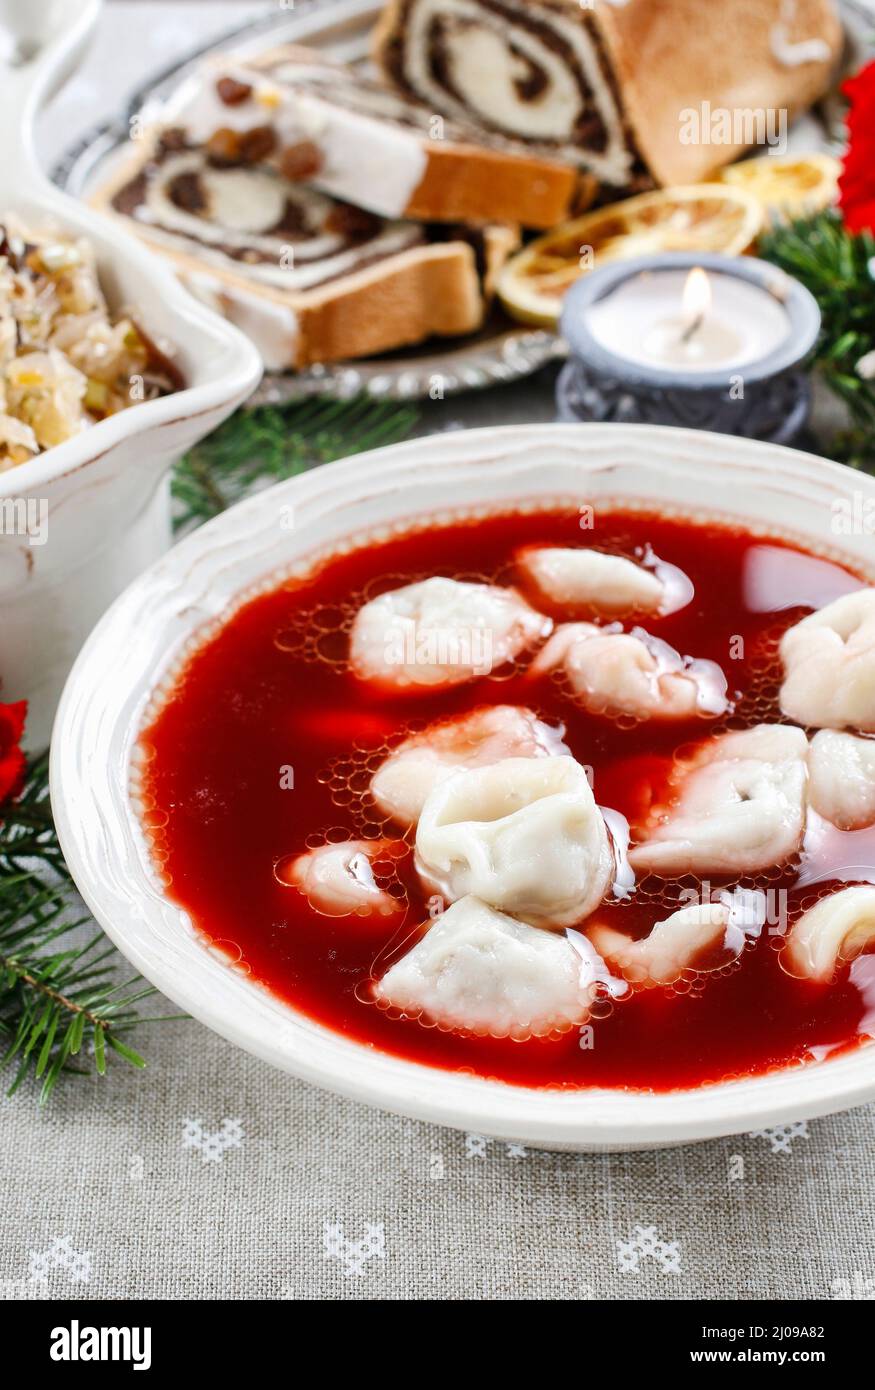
(624, 89)
(308, 277)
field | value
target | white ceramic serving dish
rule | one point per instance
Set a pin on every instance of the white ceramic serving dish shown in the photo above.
(767, 487)
(103, 495)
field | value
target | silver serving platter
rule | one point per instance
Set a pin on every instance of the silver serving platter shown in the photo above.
(502, 351)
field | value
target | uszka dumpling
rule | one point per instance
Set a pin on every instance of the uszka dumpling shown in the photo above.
(841, 770)
(740, 806)
(682, 940)
(632, 673)
(829, 665)
(401, 784)
(610, 585)
(338, 880)
(525, 835)
(441, 632)
(479, 971)
(837, 928)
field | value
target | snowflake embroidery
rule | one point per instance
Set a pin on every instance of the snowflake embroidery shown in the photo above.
(212, 1146)
(782, 1136)
(60, 1255)
(354, 1255)
(858, 1287)
(645, 1244)
(25, 1290)
(475, 1147)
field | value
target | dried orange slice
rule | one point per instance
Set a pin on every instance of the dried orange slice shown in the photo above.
(790, 185)
(701, 217)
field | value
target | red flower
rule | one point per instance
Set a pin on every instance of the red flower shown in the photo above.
(12, 761)
(857, 182)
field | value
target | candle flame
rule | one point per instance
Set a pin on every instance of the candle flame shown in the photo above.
(696, 299)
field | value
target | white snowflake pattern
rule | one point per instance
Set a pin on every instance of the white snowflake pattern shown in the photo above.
(354, 1255)
(213, 1147)
(476, 1146)
(60, 1255)
(858, 1287)
(781, 1136)
(645, 1244)
(25, 1290)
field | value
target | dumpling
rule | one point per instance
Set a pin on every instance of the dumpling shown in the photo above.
(610, 585)
(338, 880)
(740, 808)
(525, 835)
(841, 770)
(401, 784)
(837, 928)
(829, 665)
(681, 940)
(441, 632)
(479, 971)
(632, 673)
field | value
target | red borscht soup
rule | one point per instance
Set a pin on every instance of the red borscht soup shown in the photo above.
(266, 748)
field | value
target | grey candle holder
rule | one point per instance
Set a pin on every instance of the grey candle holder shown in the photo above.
(598, 385)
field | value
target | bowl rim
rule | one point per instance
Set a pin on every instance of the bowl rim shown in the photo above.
(86, 775)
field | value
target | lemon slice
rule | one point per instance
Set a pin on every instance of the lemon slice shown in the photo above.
(793, 186)
(702, 217)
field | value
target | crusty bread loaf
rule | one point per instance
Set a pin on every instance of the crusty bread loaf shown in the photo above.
(611, 86)
(741, 56)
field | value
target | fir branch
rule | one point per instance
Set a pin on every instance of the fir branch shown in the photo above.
(270, 443)
(839, 270)
(57, 997)
(27, 830)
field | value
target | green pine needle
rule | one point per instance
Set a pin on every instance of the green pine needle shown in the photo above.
(270, 443)
(839, 270)
(58, 998)
(27, 830)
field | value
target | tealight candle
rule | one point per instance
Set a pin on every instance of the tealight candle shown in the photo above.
(710, 341)
(689, 320)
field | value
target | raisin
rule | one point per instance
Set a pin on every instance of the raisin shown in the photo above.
(224, 146)
(301, 161)
(232, 92)
(173, 139)
(257, 144)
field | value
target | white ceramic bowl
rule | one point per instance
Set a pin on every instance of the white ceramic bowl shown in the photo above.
(100, 502)
(765, 486)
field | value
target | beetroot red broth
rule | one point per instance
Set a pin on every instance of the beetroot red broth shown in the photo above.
(271, 690)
